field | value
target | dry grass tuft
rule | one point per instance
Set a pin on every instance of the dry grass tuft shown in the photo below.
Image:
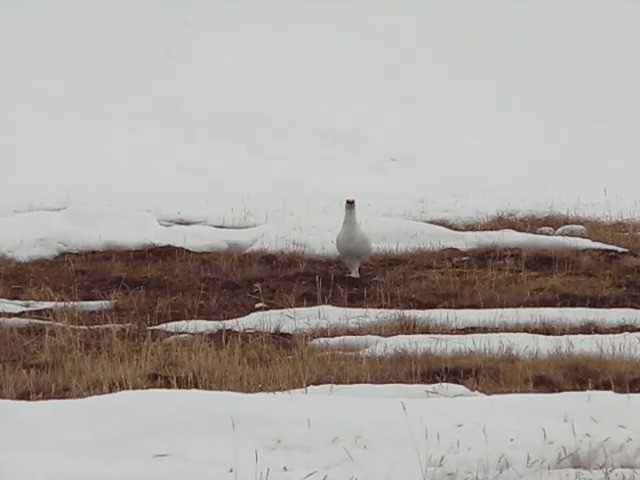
(63, 363)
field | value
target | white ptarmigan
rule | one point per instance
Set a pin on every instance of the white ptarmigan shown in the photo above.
(353, 245)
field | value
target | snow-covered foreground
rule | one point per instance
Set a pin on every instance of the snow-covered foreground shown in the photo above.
(621, 345)
(27, 236)
(327, 317)
(159, 434)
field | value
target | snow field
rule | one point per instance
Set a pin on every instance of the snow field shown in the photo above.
(440, 110)
(383, 433)
(133, 124)
(46, 234)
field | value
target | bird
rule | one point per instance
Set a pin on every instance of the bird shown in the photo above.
(352, 243)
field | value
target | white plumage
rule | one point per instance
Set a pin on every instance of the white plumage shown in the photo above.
(353, 245)
(545, 231)
(572, 231)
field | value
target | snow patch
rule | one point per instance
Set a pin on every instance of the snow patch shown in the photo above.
(521, 344)
(24, 322)
(20, 306)
(327, 317)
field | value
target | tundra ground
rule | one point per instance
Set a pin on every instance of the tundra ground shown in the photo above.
(163, 284)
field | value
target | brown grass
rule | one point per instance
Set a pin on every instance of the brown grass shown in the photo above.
(164, 284)
(63, 363)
